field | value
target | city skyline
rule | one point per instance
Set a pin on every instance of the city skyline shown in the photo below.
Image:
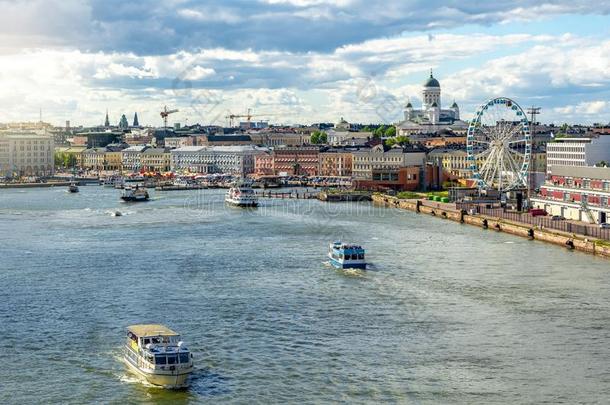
(298, 61)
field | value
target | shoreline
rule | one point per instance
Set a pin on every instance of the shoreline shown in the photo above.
(597, 247)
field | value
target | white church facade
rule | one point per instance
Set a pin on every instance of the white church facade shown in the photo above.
(431, 118)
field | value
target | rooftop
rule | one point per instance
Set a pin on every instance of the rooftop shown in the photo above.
(151, 330)
(589, 172)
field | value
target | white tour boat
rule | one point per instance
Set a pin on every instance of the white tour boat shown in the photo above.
(346, 256)
(156, 354)
(241, 195)
(136, 193)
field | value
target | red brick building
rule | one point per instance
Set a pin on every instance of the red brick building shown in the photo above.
(296, 161)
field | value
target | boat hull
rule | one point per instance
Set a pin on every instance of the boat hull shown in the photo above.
(166, 379)
(346, 265)
(242, 203)
(134, 199)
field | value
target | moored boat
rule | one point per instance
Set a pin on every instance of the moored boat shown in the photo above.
(241, 195)
(134, 194)
(346, 256)
(158, 355)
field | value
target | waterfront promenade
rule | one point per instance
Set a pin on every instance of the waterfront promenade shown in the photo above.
(495, 220)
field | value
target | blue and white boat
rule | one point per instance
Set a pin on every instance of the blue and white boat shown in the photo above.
(346, 256)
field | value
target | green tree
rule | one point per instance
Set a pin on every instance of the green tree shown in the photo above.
(319, 137)
(390, 131)
(401, 140)
(366, 129)
(379, 132)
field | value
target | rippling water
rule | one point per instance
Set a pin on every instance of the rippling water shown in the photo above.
(448, 313)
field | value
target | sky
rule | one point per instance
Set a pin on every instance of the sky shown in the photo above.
(299, 61)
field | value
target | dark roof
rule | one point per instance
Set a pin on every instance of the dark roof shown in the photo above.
(229, 138)
(432, 82)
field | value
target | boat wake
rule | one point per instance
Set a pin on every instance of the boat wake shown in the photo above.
(361, 273)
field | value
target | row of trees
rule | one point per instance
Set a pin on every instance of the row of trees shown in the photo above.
(63, 159)
(381, 131)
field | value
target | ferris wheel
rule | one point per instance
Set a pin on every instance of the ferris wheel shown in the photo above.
(499, 145)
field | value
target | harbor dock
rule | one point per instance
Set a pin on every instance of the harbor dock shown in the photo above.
(448, 211)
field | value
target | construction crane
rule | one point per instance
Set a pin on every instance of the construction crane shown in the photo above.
(165, 113)
(248, 116)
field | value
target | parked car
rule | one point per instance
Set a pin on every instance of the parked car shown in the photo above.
(535, 212)
(557, 218)
(604, 225)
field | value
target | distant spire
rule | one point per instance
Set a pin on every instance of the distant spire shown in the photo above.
(135, 120)
(107, 121)
(431, 73)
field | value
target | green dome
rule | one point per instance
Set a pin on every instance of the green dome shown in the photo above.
(432, 82)
(454, 105)
(434, 104)
(409, 105)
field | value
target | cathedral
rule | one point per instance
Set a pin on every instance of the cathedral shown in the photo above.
(431, 117)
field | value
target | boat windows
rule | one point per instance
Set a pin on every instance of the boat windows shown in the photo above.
(184, 357)
(171, 359)
(146, 341)
(361, 256)
(156, 340)
(160, 360)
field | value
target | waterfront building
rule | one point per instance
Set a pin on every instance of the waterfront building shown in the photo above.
(26, 154)
(236, 159)
(155, 160)
(113, 160)
(397, 168)
(578, 152)
(94, 159)
(576, 192)
(336, 162)
(132, 157)
(431, 118)
(296, 161)
(263, 164)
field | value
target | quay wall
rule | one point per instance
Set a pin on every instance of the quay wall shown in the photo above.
(443, 211)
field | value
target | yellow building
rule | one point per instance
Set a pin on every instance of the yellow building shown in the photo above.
(94, 159)
(155, 160)
(113, 160)
(335, 163)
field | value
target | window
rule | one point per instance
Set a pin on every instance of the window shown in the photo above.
(184, 358)
(172, 359)
(160, 360)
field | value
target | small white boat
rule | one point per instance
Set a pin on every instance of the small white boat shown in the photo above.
(156, 354)
(241, 195)
(136, 193)
(346, 256)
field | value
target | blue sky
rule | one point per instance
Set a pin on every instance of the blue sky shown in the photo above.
(299, 61)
